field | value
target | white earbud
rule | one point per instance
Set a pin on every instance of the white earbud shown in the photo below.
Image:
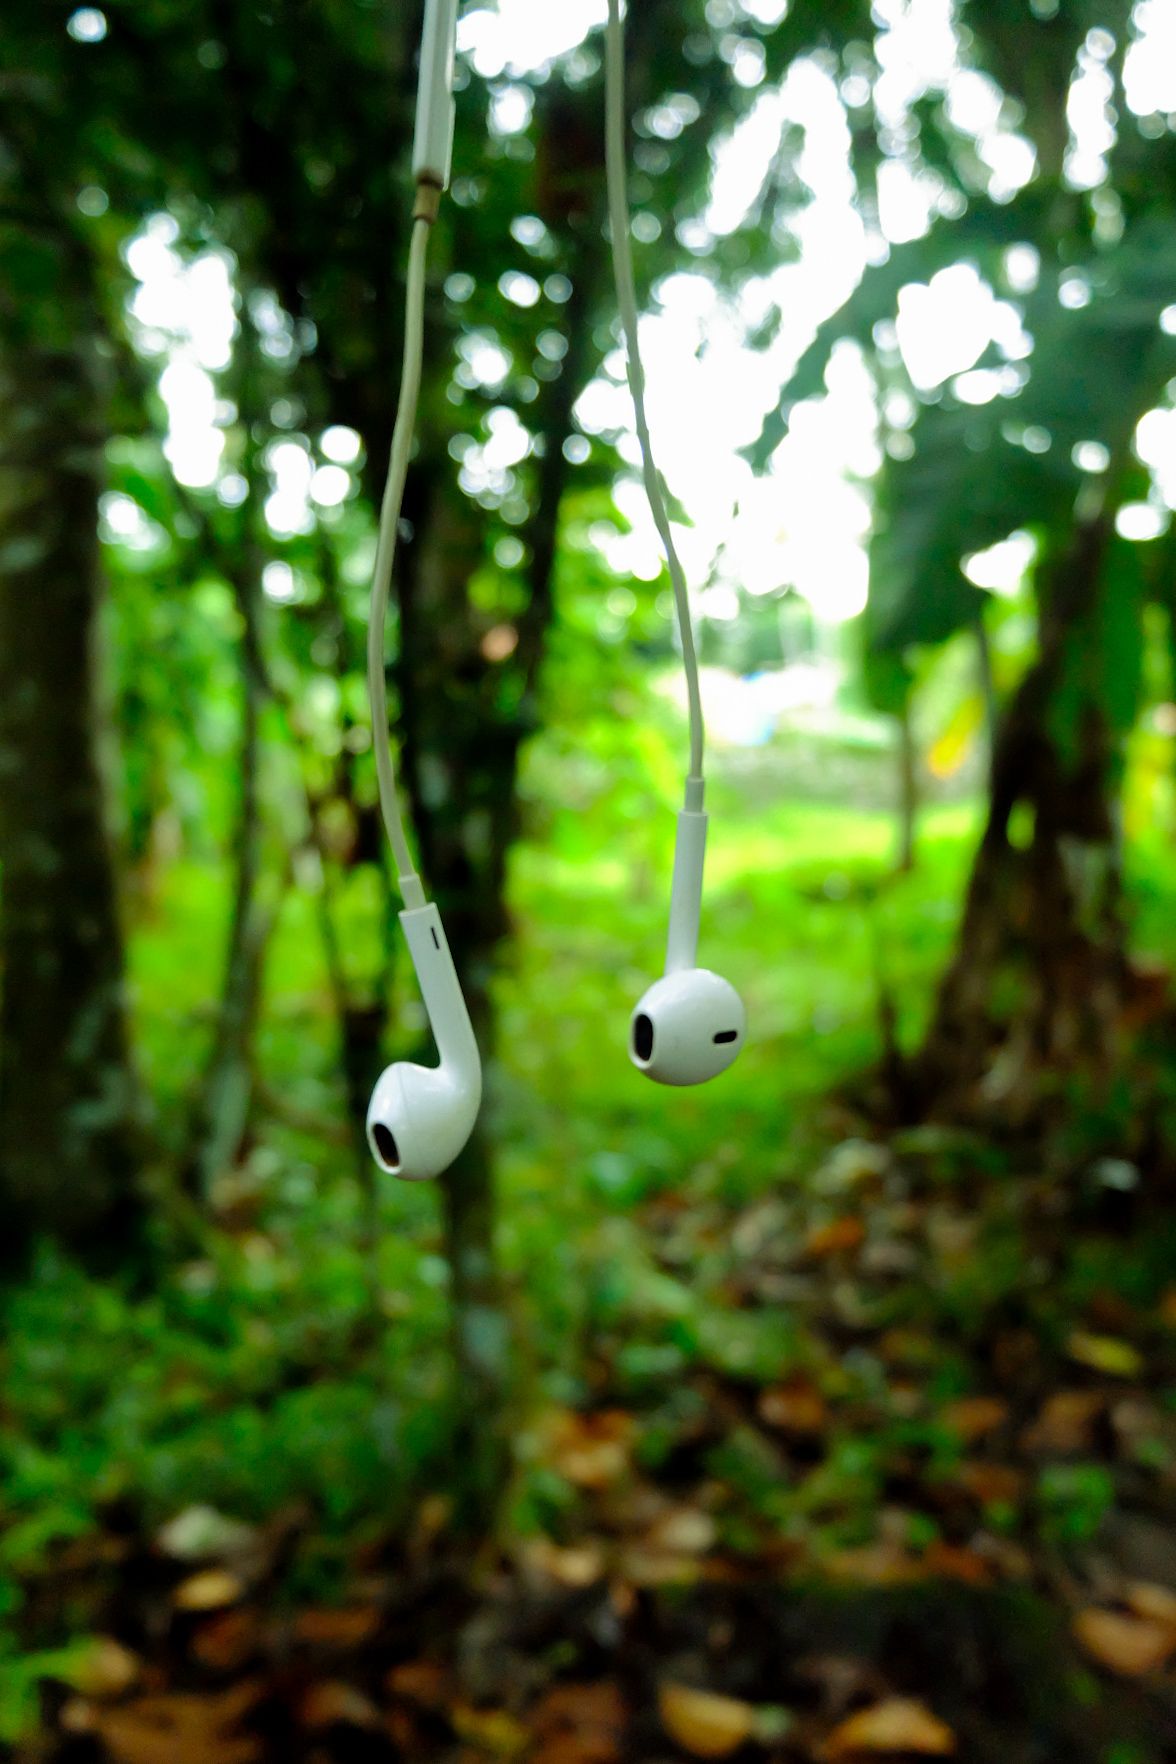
(420, 1117)
(691, 1023)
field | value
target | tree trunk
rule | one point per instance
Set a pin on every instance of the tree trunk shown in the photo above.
(987, 687)
(458, 770)
(229, 1080)
(68, 1100)
(1035, 997)
(908, 791)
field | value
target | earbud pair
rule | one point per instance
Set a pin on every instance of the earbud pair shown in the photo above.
(691, 1024)
(688, 1027)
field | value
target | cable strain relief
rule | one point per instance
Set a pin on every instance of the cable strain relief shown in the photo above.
(428, 201)
(411, 892)
(695, 795)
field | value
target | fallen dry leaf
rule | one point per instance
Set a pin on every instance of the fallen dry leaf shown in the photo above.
(208, 1591)
(955, 1562)
(1105, 1353)
(422, 1682)
(880, 1564)
(77, 1716)
(839, 1236)
(580, 1565)
(200, 1533)
(794, 1408)
(181, 1729)
(334, 1703)
(906, 1347)
(703, 1724)
(1147, 1599)
(1128, 1645)
(841, 1679)
(645, 1567)
(900, 1724)
(336, 1629)
(1064, 1423)
(685, 1530)
(490, 1730)
(579, 1724)
(1134, 1418)
(990, 1483)
(404, 1732)
(1006, 1557)
(973, 1417)
(590, 1450)
(224, 1643)
(434, 1515)
(106, 1669)
(850, 1163)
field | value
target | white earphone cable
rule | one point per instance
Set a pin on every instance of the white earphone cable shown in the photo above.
(410, 385)
(618, 209)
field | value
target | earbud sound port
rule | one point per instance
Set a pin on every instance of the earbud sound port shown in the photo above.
(727, 1035)
(386, 1145)
(643, 1037)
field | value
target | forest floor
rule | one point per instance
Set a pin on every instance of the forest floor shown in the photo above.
(913, 1493)
(824, 1445)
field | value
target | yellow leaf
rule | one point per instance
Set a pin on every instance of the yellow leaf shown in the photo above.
(579, 1565)
(948, 754)
(900, 1724)
(1128, 1645)
(687, 1530)
(590, 1450)
(1148, 1600)
(208, 1591)
(1105, 1353)
(646, 1567)
(705, 1725)
(490, 1730)
(104, 1669)
(878, 1564)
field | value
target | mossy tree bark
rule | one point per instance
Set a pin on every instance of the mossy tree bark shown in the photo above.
(67, 1093)
(1040, 992)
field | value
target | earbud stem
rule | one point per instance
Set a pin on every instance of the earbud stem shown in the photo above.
(442, 995)
(686, 892)
(432, 148)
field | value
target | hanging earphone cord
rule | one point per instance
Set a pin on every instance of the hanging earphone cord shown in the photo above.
(618, 211)
(410, 385)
